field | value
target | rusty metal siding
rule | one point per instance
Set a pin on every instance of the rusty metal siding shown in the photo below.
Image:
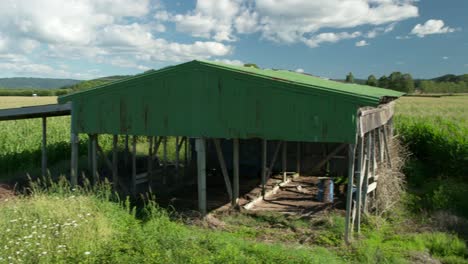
(212, 102)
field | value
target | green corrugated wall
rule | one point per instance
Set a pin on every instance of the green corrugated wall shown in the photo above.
(212, 102)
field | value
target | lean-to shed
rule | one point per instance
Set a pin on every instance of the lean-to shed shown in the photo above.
(203, 100)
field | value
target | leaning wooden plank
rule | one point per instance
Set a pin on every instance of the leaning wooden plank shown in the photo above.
(235, 177)
(359, 176)
(264, 165)
(329, 157)
(134, 140)
(222, 164)
(387, 152)
(273, 160)
(104, 157)
(349, 194)
(371, 187)
(115, 173)
(367, 172)
(201, 176)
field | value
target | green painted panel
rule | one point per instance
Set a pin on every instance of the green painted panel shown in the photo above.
(197, 99)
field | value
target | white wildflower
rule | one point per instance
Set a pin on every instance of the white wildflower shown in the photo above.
(87, 253)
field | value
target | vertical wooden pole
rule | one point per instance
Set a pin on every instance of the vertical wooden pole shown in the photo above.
(284, 160)
(386, 142)
(264, 165)
(134, 185)
(367, 172)
(127, 152)
(201, 179)
(94, 171)
(115, 175)
(44, 146)
(150, 160)
(359, 177)
(74, 159)
(222, 164)
(186, 152)
(177, 159)
(235, 178)
(164, 160)
(298, 161)
(90, 155)
(349, 193)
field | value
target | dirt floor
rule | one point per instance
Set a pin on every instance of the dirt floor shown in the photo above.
(296, 197)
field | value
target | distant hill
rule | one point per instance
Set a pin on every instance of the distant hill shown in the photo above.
(35, 83)
(85, 85)
(451, 78)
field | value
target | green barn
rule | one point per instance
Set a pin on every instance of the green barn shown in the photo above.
(266, 110)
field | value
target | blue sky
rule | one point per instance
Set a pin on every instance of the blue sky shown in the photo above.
(91, 38)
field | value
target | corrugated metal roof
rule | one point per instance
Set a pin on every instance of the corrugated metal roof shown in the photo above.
(368, 93)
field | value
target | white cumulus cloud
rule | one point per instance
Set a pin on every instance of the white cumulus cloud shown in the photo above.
(362, 43)
(431, 26)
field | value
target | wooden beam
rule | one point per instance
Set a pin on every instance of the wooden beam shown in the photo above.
(115, 173)
(150, 158)
(177, 158)
(157, 143)
(359, 176)
(298, 157)
(264, 165)
(74, 159)
(44, 146)
(201, 178)
(126, 151)
(367, 171)
(387, 152)
(104, 157)
(329, 157)
(134, 183)
(284, 161)
(273, 160)
(164, 141)
(94, 170)
(349, 193)
(235, 178)
(222, 164)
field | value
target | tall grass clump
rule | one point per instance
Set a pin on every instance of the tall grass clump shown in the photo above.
(440, 144)
(59, 224)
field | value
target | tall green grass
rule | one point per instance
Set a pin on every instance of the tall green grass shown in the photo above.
(57, 224)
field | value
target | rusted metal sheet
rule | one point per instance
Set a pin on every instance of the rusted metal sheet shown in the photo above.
(197, 100)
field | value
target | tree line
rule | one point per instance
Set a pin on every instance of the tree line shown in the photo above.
(404, 82)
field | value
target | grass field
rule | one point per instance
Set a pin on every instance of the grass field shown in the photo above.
(19, 101)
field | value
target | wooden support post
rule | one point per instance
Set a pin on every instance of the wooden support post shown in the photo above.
(284, 163)
(177, 159)
(298, 161)
(329, 157)
(115, 173)
(90, 155)
(201, 179)
(94, 170)
(367, 172)
(273, 160)
(222, 164)
(44, 146)
(235, 178)
(264, 165)
(150, 159)
(387, 152)
(164, 160)
(127, 152)
(134, 172)
(74, 159)
(359, 177)
(186, 153)
(349, 193)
